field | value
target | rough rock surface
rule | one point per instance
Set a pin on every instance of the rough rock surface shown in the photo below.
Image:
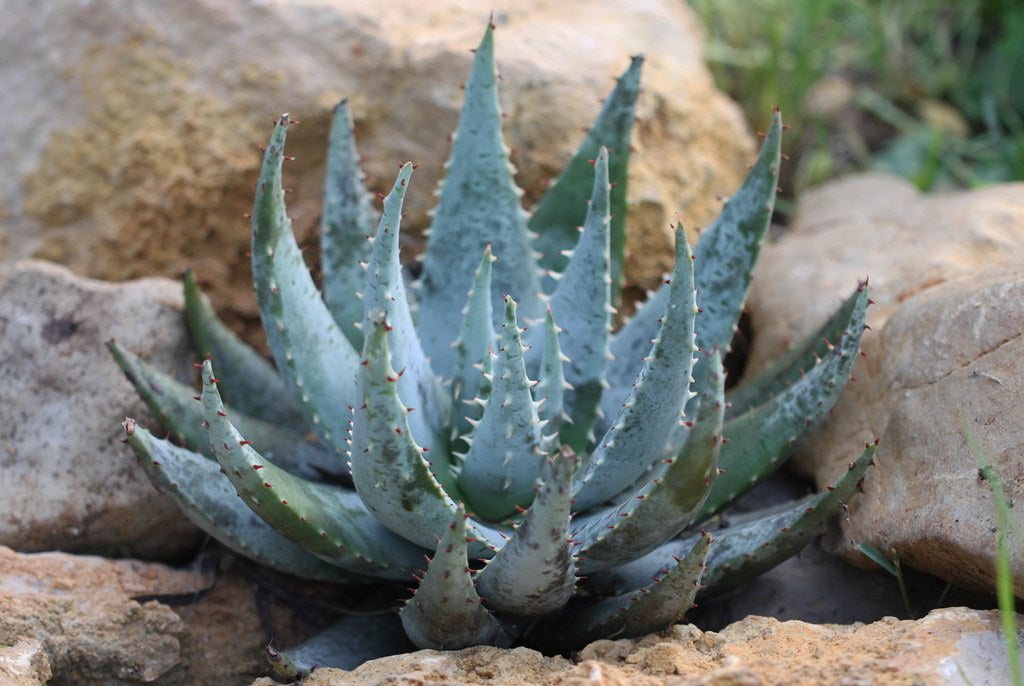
(949, 646)
(24, 663)
(134, 148)
(68, 483)
(102, 621)
(945, 271)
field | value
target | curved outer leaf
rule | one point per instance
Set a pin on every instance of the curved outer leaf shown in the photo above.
(670, 499)
(346, 644)
(507, 449)
(789, 367)
(256, 387)
(479, 204)
(390, 472)
(534, 573)
(745, 550)
(347, 221)
(418, 388)
(195, 485)
(330, 522)
(653, 410)
(445, 612)
(759, 440)
(315, 358)
(472, 348)
(562, 209)
(651, 608)
(175, 404)
(724, 260)
(581, 304)
(749, 549)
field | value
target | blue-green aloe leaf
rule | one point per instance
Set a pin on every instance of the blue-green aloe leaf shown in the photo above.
(472, 348)
(752, 547)
(479, 204)
(727, 251)
(445, 612)
(724, 259)
(550, 389)
(174, 403)
(654, 606)
(581, 304)
(196, 485)
(748, 546)
(506, 449)
(347, 221)
(759, 440)
(256, 387)
(315, 358)
(653, 410)
(418, 388)
(668, 501)
(390, 471)
(330, 522)
(346, 644)
(559, 213)
(791, 365)
(534, 573)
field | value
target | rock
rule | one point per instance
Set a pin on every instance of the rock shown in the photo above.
(134, 148)
(80, 609)
(949, 646)
(945, 273)
(877, 226)
(24, 664)
(102, 621)
(68, 483)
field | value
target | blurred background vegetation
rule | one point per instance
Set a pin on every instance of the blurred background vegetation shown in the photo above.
(930, 89)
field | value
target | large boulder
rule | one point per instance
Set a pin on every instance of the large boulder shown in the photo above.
(134, 129)
(946, 349)
(68, 483)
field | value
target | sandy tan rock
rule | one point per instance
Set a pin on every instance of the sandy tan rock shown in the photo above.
(953, 349)
(945, 274)
(68, 483)
(134, 144)
(24, 663)
(877, 226)
(80, 609)
(942, 648)
(101, 621)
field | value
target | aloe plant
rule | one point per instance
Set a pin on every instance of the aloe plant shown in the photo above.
(561, 478)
